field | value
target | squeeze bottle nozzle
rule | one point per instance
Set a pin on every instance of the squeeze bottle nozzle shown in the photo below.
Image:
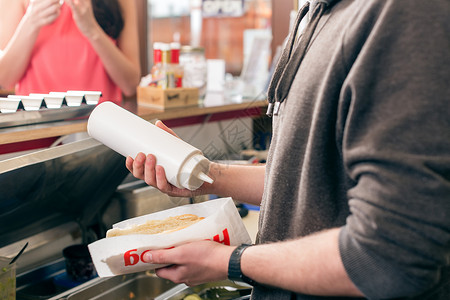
(204, 177)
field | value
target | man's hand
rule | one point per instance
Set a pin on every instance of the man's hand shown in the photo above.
(146, 168)
(193, 263)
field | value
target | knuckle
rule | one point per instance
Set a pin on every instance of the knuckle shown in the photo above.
(159, 257)
(161, 186)
(190, 282)
(178, 280)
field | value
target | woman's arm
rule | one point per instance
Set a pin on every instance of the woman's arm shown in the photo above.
(121, 62)
(19, 28)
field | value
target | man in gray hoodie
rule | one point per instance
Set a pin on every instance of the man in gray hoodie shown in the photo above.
(355, 195)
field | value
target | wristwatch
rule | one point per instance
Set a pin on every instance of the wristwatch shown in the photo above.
(234, 266)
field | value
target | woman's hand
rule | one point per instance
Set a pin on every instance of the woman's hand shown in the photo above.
(120, 58)
(193, 263)
(84, 17)
(20, 24)
(42, 12)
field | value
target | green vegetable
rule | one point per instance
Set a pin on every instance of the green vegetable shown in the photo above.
(192, 297)
(7, 284)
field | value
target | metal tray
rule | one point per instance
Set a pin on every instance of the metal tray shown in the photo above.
(224, 290)
(65, 113)
(138, 286)
(146, 286)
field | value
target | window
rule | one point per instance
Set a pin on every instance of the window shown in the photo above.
(222, 36)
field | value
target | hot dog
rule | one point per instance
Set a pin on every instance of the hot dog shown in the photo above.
(157, 226)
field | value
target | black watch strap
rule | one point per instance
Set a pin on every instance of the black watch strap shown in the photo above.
(234, 266)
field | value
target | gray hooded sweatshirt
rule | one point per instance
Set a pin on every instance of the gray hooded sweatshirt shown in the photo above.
(362, 142)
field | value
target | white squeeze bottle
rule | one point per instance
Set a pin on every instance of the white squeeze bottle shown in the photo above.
(128, 134)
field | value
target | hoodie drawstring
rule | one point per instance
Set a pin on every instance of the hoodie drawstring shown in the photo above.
(289, 62)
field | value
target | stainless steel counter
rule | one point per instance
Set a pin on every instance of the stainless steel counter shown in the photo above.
(58, 128)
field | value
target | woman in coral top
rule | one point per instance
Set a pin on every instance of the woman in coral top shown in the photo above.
(53, 45)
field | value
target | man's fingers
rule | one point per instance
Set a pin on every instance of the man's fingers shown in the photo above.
(149, 172)
(160, 257)
(163, 126)
(129, 164)
(161, 179)
(138, 166)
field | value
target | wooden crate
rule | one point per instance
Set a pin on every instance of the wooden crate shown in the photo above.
(167, 98)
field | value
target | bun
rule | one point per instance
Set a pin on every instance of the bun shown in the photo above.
(157, 226)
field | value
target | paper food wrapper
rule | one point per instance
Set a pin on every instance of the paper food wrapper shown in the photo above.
(123, 254)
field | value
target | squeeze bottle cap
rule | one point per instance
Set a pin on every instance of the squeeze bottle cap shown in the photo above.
(193, 172)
